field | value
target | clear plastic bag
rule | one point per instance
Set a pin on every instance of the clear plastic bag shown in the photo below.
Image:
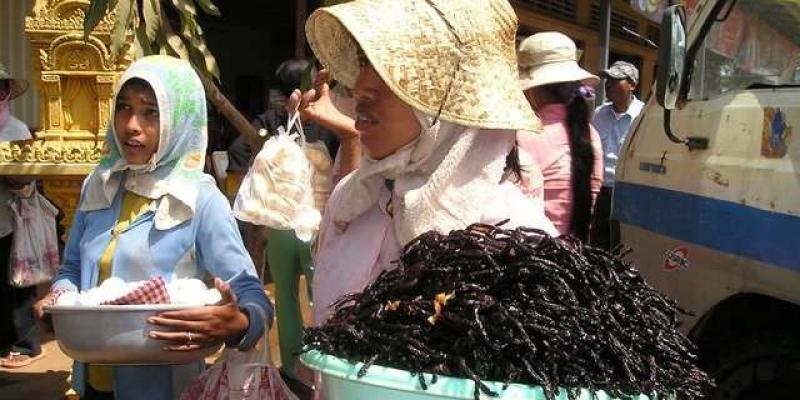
(277, 190)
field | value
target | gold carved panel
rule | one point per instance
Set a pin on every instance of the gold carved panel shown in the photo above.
(63, 15)
(65, 193)
(75, 76)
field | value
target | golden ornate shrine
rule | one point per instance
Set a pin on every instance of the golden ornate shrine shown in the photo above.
(75, 77)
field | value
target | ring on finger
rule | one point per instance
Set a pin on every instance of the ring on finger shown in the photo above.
(188, 337)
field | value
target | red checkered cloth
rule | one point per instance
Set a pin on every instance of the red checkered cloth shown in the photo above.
(151, 291)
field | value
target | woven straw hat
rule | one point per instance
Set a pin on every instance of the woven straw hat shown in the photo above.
(550, 57)
(18, 86)
(453, 56)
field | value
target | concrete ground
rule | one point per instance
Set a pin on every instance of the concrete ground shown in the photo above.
(47, 378)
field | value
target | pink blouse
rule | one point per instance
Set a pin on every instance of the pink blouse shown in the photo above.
(347, 260)
(550, 151)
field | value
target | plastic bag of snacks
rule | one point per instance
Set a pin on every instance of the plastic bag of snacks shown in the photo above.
(277, 190)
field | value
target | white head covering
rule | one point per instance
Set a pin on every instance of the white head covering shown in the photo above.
(171, 176)
(441, 180)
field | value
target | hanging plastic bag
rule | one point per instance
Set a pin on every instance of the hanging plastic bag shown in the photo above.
(277, 190)
(34, 247)
(239, 375)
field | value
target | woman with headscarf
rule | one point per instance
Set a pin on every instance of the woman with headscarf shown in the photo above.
(568, 152)
(438, 107)
(148, 211)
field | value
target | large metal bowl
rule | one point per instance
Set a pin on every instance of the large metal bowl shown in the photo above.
(117, 335)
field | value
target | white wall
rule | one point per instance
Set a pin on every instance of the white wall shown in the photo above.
(15, 54)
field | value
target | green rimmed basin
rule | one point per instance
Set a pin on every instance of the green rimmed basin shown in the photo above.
(341, 382)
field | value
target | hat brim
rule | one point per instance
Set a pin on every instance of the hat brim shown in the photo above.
(559, 72)
(609, 75)
(18, 87)
(414, 52)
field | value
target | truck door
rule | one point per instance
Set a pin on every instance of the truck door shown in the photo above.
(699, 220)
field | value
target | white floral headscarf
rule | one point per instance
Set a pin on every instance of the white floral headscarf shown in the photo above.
(172, 174)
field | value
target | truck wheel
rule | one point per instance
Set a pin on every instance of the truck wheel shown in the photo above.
(763, 367)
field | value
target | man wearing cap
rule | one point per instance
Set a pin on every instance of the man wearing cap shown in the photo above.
(19, 341)
(568, 152)
(612, 121)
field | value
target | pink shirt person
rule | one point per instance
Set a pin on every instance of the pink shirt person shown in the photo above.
(550, 151)
(569, 152)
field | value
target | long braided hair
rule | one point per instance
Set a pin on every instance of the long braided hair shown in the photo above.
(577, 97)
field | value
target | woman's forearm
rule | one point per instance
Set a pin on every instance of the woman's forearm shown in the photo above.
(350, 157)
(349, 154)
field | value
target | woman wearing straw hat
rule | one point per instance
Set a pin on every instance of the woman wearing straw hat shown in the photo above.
(438, 107)
(568, 152)
(19, 336)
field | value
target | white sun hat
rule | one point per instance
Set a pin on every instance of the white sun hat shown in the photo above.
(550, 57)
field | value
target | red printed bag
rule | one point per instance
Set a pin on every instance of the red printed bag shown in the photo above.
(241, 375)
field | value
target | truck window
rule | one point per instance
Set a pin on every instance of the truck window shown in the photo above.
(754, 43)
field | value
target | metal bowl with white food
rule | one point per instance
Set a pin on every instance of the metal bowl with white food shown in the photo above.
(117, 335)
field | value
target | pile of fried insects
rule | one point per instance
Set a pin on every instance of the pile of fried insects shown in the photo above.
(516, 306)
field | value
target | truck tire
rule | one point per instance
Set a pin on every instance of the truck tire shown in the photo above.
(766, 366)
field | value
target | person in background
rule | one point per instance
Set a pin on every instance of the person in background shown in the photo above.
(568, 152)
(612, 121)
(148, 211)
(19, 334)
(218, 142)
(287, 257)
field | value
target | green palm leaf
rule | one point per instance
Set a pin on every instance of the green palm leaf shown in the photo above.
(96, 11)
(124, 10)
(155, 33)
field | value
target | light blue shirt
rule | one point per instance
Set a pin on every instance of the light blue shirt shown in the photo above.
(613, 129)
(207, 244)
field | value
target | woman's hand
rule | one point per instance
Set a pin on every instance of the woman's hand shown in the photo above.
(202, 327)
(316, 105)
(47, 300)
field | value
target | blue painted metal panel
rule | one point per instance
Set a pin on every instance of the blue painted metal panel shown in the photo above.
(769, 237)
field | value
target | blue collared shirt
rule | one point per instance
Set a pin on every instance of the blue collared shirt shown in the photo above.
(207, 244)
(613, 129)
